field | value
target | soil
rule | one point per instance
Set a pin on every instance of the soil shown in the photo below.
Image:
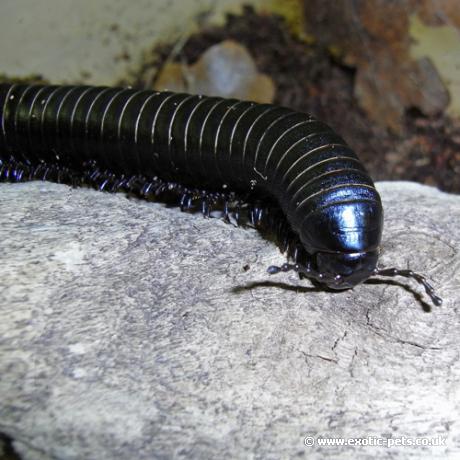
(309, 78)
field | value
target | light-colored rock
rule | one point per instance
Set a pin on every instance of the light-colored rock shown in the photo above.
(225, 70)
(96, 42)
(131, 330)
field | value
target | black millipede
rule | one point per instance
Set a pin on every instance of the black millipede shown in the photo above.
(280, 168)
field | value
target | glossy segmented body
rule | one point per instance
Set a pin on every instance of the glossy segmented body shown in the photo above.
(219, 149)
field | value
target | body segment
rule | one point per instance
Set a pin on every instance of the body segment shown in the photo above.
(145, 141)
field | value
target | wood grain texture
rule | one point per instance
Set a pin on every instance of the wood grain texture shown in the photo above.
(130, 327)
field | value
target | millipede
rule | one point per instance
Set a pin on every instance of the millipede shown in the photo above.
(273, 166)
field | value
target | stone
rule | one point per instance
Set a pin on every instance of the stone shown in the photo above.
(97, 43)
(399, 50)
(131, 330)
(224, 70)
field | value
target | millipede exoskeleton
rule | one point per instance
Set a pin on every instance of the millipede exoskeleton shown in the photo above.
(284, 168)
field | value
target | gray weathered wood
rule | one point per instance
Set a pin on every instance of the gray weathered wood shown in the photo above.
(131, 330)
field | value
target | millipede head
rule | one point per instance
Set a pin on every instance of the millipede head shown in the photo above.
(339, 281)
(336, 270)
(345, 270)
